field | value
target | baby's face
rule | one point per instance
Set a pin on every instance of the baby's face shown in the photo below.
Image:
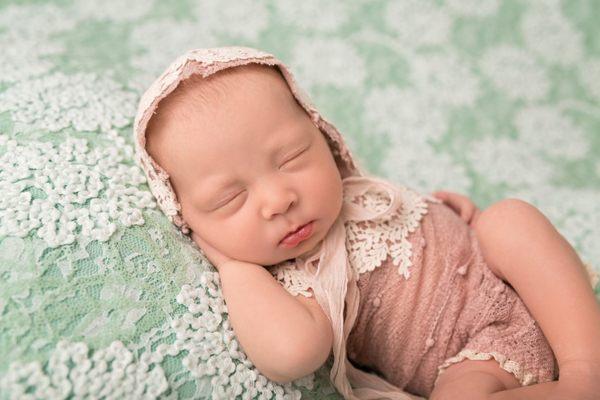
(249, 167)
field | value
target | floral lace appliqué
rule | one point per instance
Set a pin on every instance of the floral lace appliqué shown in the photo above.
(370, 242)
(293, 279)
(54, 189)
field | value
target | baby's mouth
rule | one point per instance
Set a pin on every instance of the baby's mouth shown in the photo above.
(293, 238)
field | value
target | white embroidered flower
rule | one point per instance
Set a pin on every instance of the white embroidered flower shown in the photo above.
(115, 290)
(589, 75)
(420, 167)
(550, 35)
(113, 10)
(473, 8)
(404, 115)
(544, 127)
(25, 57)
(507, 161)
(63, 191)
(247, 19)
(418, 23)
(111, 372)
(515, 72)
(25, 39)
(85, 102)
(318, 61)
(161, 42)
(35, 21)
(444, 78)
(205, 333)
(301, 14)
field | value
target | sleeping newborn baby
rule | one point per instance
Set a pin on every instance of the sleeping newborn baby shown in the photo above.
(415, 295)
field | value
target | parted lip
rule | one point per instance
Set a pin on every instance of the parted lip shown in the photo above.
(294, 230)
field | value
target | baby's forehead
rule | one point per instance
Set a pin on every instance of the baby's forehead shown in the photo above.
(195, 94)
(197, 101)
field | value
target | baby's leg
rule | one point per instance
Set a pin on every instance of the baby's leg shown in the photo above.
(472, 380)
(485, 380)
(522, 247)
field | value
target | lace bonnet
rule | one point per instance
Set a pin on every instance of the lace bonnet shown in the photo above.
(207, 61)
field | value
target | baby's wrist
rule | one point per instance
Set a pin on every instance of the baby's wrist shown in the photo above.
(226, 264)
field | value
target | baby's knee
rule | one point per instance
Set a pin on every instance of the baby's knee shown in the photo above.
(507, 214)
(472, 380)
(506, 229)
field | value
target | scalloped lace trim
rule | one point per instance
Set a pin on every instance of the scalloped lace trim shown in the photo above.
(293, 279)
(524, 377)
(369, 243)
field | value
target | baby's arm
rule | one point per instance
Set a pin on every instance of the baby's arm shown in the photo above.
(522, 247)
(285, 337)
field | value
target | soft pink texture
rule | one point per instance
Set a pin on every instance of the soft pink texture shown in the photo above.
(474, 310)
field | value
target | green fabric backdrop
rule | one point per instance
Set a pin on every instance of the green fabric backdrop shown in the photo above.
(99, 294)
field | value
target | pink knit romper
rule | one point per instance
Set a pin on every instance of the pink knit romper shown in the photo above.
(452, 307)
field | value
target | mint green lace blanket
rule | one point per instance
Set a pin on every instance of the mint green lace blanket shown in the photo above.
(101, 297)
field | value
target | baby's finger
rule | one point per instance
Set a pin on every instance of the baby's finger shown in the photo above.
(467, 212)
(440, 194)
(475, 217)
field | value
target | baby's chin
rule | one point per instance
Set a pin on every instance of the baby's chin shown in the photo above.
(279, 261)
(305, 253)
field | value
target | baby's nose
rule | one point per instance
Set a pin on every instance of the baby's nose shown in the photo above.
(278, 201)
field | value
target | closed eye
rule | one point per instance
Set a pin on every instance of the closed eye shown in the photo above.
(229, 200)
(294, 157)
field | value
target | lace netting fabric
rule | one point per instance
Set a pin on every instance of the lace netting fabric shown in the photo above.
(175, 339)
(86, 257)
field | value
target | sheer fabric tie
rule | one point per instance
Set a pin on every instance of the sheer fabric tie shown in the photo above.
(335, 285)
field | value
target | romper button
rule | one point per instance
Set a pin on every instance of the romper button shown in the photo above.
(376, 301)
(498, 288)
(429, 342)
(462, 270)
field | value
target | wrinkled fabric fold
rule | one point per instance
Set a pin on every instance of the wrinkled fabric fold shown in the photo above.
(335, 284)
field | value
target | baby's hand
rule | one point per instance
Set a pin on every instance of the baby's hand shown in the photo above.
(214, 256)
(462, 205)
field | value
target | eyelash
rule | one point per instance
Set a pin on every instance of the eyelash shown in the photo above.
(232, 198)
(294, 157)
